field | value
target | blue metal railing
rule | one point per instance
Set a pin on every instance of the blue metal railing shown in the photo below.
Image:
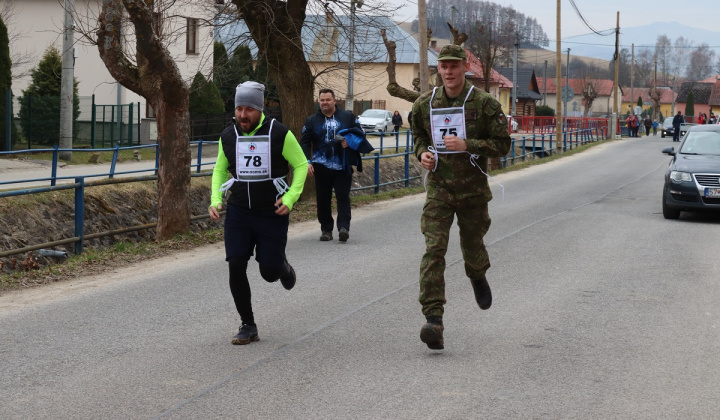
(538, 146)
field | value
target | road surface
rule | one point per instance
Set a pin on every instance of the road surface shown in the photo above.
(602, 309)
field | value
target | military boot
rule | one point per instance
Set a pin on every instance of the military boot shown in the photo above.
(483, 296)
(432, 333)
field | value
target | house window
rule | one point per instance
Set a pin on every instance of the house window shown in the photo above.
(192, 36)
(157, 23)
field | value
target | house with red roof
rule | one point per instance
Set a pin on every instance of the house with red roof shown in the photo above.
(630, 100)
(500, 86)
(601, 105)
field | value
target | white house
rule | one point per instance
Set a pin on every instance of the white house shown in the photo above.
(40, 24)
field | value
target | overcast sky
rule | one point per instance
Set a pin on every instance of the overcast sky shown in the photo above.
(602, 14)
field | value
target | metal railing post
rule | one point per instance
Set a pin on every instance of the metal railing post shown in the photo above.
(53, 173)
(407, 166)
(199, 157)
(377, 170)
(79, 214)
(157, 157)
(114, 161)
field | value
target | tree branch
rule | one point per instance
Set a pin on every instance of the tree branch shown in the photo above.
(393, 87)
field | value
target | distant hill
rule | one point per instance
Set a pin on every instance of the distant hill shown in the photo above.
(591, 45)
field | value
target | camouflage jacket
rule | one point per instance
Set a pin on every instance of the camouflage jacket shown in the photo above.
(487, 136)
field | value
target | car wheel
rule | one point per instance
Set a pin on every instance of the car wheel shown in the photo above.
(669, 213)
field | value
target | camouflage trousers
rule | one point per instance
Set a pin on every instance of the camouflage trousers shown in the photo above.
(437, 218)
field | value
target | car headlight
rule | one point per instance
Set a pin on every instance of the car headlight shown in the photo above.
(677, 176)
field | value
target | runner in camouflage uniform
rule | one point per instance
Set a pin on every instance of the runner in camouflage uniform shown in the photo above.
(456, 128)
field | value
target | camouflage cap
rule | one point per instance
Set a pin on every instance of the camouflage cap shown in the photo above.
(452, 52)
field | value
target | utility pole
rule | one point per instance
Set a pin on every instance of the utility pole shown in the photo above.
(616, 57)
(514, 89)
(558, 81)
(632, 80)
(545, 83)
(567, 82)
(67, 85)
(656, 91)
(423, 38)
(349, 99)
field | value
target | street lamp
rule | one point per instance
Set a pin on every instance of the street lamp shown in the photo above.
(349, 100)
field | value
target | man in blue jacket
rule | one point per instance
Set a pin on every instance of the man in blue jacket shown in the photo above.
(332, 141)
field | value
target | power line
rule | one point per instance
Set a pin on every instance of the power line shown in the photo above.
(582, 18)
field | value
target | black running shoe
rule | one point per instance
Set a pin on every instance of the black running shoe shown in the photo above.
(288, 277)
(343, 235)
(246, 335)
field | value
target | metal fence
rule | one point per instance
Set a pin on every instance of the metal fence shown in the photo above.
(525, 148)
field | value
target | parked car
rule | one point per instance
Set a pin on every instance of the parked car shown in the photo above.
(374, 120)
(692, 180)
(684, 128)
(667, 127)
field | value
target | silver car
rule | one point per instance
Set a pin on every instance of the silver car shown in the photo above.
(376, 120)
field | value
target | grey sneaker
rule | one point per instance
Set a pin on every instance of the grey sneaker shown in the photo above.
(432, 333)
(483, 295)
(326, 236)
(246, 335)
(343, 235)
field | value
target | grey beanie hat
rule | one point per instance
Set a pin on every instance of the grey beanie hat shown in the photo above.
(250, 94)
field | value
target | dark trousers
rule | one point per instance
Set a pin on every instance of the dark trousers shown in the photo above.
(253, 231)
(647, 130)
(327, 180)
(676, 133)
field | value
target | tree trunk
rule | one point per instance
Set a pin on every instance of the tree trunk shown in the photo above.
(275, 27)
(157, 79)
(173, 206)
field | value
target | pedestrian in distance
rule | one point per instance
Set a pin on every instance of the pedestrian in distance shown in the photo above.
(332, 140)
(636, 126)
(655, 126)
(456, 129)
(397, 121)
(677, 121)
(628, 124)
(255, 152)
(648, 124)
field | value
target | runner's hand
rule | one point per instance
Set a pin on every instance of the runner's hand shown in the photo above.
(214, 212)
(427, 160)
(282, 209)
(455, 144)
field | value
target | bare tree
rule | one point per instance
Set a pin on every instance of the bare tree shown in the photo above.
(681, 50)
(700, 65)
(393, 88)
(154, 75)
(588, 94)
(487, 48)
(662, 52)
(20, 59)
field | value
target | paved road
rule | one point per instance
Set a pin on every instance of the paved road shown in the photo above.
(602, 309)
